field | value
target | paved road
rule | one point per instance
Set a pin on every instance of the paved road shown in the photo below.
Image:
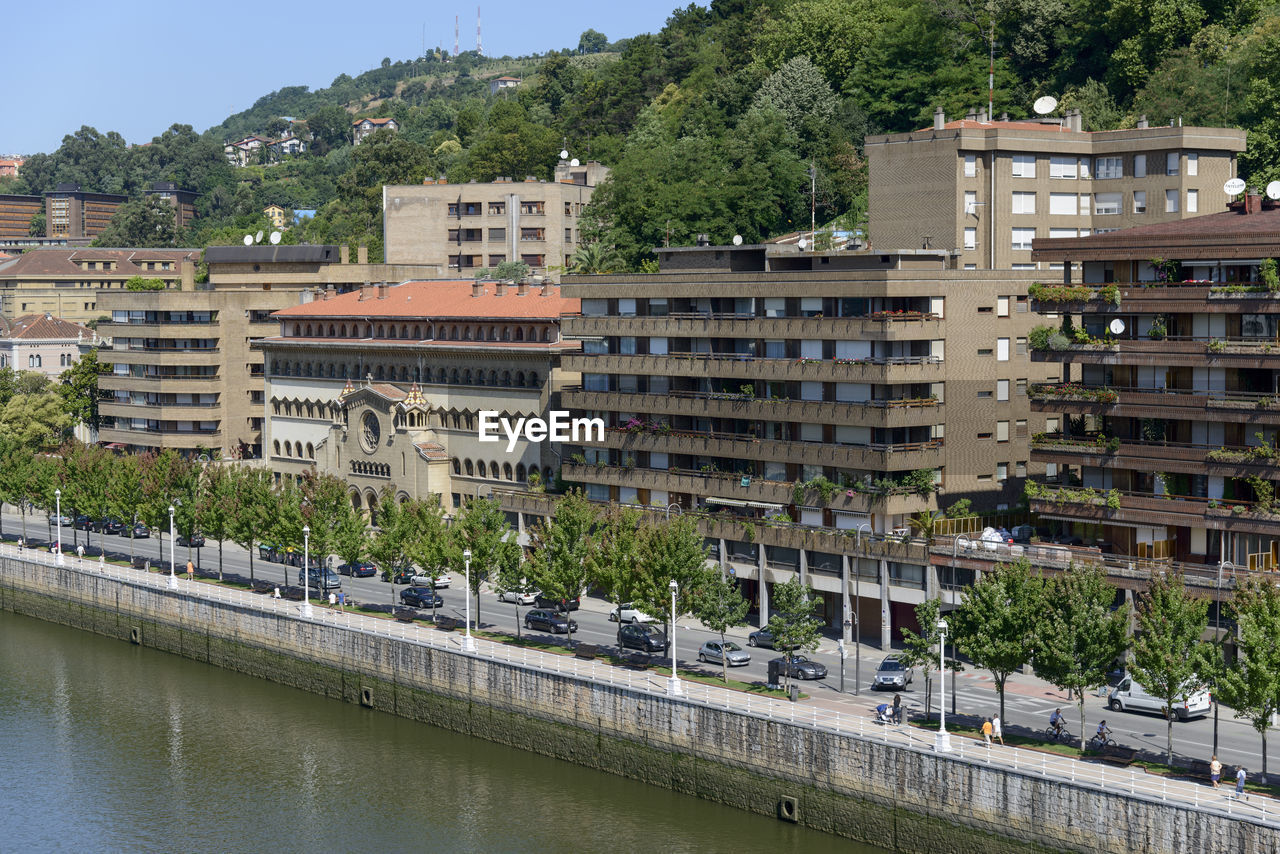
(1028, 701)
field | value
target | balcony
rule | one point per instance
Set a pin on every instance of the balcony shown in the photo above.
(877, 327)
(906, 412)
(159, 438)
(881, 371)
(1177, 298)
(1130, 402)
(1174, 350)
(161, 357)
(160, 385)
(1186, 458)
(166, 411)
(875, 457)
(1149, 509)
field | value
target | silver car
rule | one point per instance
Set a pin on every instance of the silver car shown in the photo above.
(730, 652)
(892, 674)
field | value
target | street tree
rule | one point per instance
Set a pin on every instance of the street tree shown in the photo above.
(87, 471)
(429, 538)
(1252, 686)
(721, 607)
(996, 626)
(564, 548)
(324, 501)
(78, 386)
(388, 547)
(615, 571)
(1167, 648)
(1080, 635)
(793, 625)
(37, 419)
(921, 650)
(215, 508)
(351, 536)
(251, 507)
(124, 492)
(671, 550)
(286, 522)
(482, 527)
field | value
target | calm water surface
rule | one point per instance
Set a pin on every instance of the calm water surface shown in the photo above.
(111, 747)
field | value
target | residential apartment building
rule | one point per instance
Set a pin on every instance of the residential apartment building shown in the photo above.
(497, 84)
(360, 128)
(183, 202)
(183, 371)
(16, 213)
(1161, 444)
(70, 212)
(383, 386)
(277, 215)
(11, 166)
(66, 282)
(465, 227)
(41, 343)
(989, 188)
(809, 404)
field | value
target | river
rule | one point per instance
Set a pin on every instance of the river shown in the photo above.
(113, 747)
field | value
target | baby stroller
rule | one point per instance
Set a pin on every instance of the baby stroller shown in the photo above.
(884, 715)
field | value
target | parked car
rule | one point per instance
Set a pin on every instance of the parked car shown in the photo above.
(761, 637)
(1129, 696)
(196, 541)
(140, 531)
(520, 597)
(358, 570)
(61, 521)
(421, 597)
(630, 614)
(730, 652)
(111, 526)
(442, 581)
(561, 605)
(802, 667)
(402, 576)
(550, 621)
(892, 674)
(644, 637)
(320, 578)
(85, 523)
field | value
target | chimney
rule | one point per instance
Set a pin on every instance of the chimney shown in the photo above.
(704, 240)
(500, 290)
(982, 115)
(382, 290)
(329, 292)
(1004, 117)
(939, 119)
(971, 115)
(344, 254)
(1252, 203)
(366, 292)
(522, 289)
(1142, 122)
(546, 290)
(362, 254)
(477, 290)
(188, 276)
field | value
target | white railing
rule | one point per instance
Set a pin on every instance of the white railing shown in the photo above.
(1129, 782)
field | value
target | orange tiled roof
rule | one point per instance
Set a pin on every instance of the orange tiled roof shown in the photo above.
(42, 326)
(64, 262)
(438, 300)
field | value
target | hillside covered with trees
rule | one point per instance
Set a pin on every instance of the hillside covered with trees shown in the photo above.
(713, 123)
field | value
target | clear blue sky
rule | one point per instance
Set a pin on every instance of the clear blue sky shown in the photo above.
(139, 66)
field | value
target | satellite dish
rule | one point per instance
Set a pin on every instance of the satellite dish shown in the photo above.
(737, 240)
(802, 243)
(1234, 187)
(1273, 191)
(1117, 326)
(248, 240)
(275, 238)
(257, 238)
(1045, 105)
(574, 162)
(564, 154)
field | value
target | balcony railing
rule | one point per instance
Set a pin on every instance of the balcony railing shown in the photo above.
(1203, 398)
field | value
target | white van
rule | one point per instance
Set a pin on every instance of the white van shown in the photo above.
(1130, 696)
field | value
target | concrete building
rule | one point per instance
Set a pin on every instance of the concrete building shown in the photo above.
(242, 152)
(498, 84)
(360, 128)
(42, 343)
(809, 404)
(988, 188)
(66, 282)
(183, 202)
(16, 213)
(465, 227)
(277, 215)
(1161, 444)
(11, 166)
(383, 386)
(70, 212)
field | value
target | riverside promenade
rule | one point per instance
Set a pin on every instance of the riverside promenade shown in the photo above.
(195, 604)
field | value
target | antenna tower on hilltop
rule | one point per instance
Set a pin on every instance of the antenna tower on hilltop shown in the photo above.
(455, 35)
(479, 43)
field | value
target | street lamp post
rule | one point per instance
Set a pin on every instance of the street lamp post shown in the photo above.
(173, 579)
(57, 497)
(679, 510)
(1217, 636)
(468, 642)
(306, 570)
(957, 542)
(673, 685)
(943, 742)
(857, 598)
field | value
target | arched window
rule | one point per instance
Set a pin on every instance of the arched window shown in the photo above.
(546, 334)
(519, 379)
(288, 448)
(379, 374)
(344, 372)
(493, 378)
(520, 472)
(453, 377)
(342, 331)
(331, 334)
(547, 475)
(311, 451)
(469, 469)
(506, 470)
(277, 447)
(506, 378)
(519, 333)
(457, 467)
(417, 333)
(533, 379)
(481, 469)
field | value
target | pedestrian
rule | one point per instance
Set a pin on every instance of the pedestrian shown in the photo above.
(342, 601)
(986, 731)
(1240, 783)
(996, 730)
(897, 709)
(80, 552)
(276, 593)
(191, 570)
(21, 544)
(1215, 771)
(333, 600)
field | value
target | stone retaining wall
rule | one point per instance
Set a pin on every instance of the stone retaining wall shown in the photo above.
(902, 799)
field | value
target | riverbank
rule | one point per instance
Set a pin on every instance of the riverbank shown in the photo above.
(761, 759)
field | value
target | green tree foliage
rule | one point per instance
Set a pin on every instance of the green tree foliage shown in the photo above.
(563, 549)
(1079, 636)
(721, 607)
(124, 492)
(996, 626)
(36, 419)
(921, 650)
(138, 283)
(592, 41)
(482, 527)
(78, 386)
(511, 145)
(594, 258)
(671, 551)
(511, 271)
(331, 127)
(1166, 650)
(148, 221)
(1252, 687)
(325, 502)
(793, 624)
(617, 559)
(429, 539)
(87, 471)
(215, 509)
(251, 508)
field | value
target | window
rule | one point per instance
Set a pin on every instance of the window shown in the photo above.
(1108, 167)
(1002, 431)
(1062, 167)
(1063, 204)
(1193, 201)
(984, 436)
(1022, 237)
(1139, 201)
(1002, 349)
(984, 395)
(1084, 210)
(1139, 165)
(1020, 468)
(1024, 203)
(1171, 163)
(1002, 389)
(1020, 387)
(1024, 166)
(1193, 165)
(984, 309)
(1002, 306)
(970, 201)
(497, 234)
(970, 165)
(533, 208)
(1062, 232)
(497, 208)
(1106, 204)
(533, 234)
(1170, 201)
(495, 260)
(1020, 346)
(1023, 266)
(1020, 428)
(971, 238)
(1084, 167)
(1002, 471)
(985, 351)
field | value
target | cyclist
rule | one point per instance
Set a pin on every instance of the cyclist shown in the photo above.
(1057, 722)
(1103, 733)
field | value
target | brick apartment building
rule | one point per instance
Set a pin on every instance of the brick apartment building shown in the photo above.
(70, 212)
